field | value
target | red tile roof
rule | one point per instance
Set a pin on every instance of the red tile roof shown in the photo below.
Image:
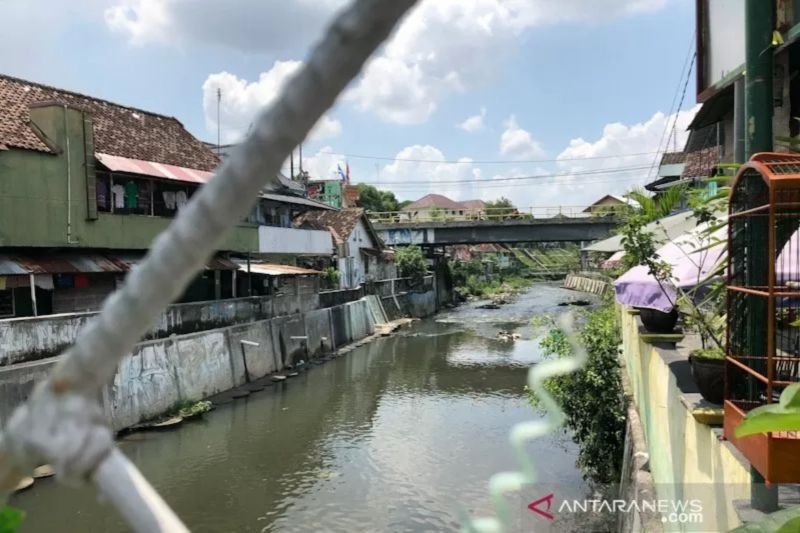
(473, 204)
(118, 130)
(340, 223)
(433, 200)
(430, 201)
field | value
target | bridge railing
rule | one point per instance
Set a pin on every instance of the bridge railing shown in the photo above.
(494, 214)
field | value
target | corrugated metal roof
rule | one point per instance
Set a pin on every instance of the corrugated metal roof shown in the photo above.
(296, 200)
(20, 265)
(116, 163)
(273, 269)
(666, 228)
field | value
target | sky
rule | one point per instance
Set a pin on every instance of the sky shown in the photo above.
(540, 101)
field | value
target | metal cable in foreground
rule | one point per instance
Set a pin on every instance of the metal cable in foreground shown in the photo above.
(504, 482)
(62, 422)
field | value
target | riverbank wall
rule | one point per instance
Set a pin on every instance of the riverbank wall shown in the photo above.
(586, 282)
(160, 374)
(685, 458)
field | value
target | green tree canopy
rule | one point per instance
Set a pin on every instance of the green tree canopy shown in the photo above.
(376, 200)
(500, 208)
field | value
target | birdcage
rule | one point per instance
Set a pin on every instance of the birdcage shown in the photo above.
(763, 344)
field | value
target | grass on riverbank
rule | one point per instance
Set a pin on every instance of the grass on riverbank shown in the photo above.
(503, 285)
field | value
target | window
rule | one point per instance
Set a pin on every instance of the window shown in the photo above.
(6, 303)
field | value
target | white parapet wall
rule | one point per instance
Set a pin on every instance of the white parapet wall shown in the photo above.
(160, 374)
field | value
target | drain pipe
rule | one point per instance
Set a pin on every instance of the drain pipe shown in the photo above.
(69, 179)
(244, 343)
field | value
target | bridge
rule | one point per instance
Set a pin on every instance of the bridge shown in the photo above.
(501, 226)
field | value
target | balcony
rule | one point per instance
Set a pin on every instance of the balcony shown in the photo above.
(276, 240)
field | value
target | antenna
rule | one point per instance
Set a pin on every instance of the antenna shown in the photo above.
(219, 101)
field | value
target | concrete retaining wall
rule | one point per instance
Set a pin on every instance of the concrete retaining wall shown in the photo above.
(686, 456)
(34, 338)
(160, 374)
(588, 284)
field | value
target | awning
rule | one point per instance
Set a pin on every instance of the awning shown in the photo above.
(714, 109)
(274, 269)
(23, 265)
(116, 163)
(371, 251)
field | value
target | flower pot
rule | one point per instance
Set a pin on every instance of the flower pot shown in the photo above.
(658, 321)
(709, 375)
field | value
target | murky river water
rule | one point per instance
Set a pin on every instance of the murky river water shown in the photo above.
(400, 435)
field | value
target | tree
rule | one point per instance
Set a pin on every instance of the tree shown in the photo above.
(411, 263)
(501, 208)
(375, 200)
(654, 207)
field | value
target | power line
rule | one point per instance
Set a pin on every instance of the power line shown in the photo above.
(515, 178)
(689, 54)
(485, 161)
(454, 186)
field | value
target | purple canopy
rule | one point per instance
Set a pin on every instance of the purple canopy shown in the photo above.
(693, 259)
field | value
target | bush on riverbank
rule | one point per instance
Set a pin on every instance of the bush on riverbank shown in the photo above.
(592, 397)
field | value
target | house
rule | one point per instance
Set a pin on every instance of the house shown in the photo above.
(610, 203)
(361, 255)
(669, 173)
(437, 205)
(87, 185)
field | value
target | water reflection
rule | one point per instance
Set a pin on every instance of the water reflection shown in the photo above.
(400, 435)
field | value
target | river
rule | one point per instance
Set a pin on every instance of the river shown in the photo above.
(401, 434)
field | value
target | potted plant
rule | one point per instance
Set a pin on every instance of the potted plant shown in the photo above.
(708, 371)
(656, 321)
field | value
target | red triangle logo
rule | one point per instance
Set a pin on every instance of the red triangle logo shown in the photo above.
(536, 506)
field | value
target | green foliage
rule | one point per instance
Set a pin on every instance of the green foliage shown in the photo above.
(781, 416)
(654, 207)
(11, 519)
(592, 397)
(330, 278)
(709, 353)
(192, 409)
(376, 200)
(501, 209)
(411, 263)
(437, 214)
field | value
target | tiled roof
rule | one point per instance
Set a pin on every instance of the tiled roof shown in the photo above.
(118, 130)
(340, 223)
(673, 158)
(701, 163)
(433, 200)
(473, 204)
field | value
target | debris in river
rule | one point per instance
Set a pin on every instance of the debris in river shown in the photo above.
(43, 471)
(24, 483)
(576, 303)
(504, 335)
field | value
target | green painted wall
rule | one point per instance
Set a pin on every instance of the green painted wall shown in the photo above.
(33, 197)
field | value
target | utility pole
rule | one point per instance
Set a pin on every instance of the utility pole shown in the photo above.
(758, 108)
(219, 127)
(759, 17)
(300, 157)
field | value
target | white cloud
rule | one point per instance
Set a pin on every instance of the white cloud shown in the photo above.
(447, 46)
(444, 46)
(474, 123)
(426, 163)
(241, 100)
(323, 164)
(250, 26)
(518, 143)
(571, 187)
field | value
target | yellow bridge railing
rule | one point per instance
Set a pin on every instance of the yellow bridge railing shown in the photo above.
(417, 216)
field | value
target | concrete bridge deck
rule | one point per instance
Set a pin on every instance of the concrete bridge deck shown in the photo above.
(508, 231)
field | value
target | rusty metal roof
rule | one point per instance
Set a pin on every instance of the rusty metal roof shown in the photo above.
(274, 269)
(22, 265)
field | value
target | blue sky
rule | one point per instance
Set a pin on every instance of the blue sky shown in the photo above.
(569, 79)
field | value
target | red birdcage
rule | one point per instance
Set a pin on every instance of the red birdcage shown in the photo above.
(763, 299)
